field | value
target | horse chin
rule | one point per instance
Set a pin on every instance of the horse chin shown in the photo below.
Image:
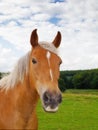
(50, 110)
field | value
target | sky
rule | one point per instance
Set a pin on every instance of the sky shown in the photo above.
(77, 20)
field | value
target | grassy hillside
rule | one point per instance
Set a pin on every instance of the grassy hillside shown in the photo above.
(78, 111)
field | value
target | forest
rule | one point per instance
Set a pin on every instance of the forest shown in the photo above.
(76, 79)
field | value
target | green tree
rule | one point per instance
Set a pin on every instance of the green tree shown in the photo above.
(0, 75)
(81, 80)
(61, 85)
(94, 82)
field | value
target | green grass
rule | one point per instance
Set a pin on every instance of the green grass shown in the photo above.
(78, 111)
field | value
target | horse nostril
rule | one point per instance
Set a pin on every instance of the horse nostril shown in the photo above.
(46, 98)
(60, 98)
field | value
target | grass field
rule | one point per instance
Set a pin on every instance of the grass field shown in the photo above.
(78, 111)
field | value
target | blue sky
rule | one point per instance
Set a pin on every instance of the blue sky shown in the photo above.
(77, 20)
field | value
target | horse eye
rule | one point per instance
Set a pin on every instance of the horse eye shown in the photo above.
(34, 61)
(60, 63)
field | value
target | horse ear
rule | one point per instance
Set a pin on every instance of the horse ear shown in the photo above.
(34, 38)
(57, 40)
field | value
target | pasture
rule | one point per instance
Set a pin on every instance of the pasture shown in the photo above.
(78, 111)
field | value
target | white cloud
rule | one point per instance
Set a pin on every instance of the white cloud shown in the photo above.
(78, 24)
(7, 59)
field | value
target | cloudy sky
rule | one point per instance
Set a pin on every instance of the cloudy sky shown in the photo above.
(76, 19)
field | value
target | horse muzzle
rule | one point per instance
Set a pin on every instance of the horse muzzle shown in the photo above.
(51, 101)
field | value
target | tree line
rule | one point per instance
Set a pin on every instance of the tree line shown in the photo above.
(79, 79)
(3, 74)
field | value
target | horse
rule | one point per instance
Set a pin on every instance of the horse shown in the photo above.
(35, 76)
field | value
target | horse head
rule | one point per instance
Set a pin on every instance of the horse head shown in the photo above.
(44, 71)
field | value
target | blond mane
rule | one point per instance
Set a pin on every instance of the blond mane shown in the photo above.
(17, 74)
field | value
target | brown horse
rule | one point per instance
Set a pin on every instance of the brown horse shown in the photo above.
(35, 75)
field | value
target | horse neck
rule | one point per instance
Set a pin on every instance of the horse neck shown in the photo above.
(27, 98)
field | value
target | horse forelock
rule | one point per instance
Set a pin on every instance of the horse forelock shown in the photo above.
(49, 46)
